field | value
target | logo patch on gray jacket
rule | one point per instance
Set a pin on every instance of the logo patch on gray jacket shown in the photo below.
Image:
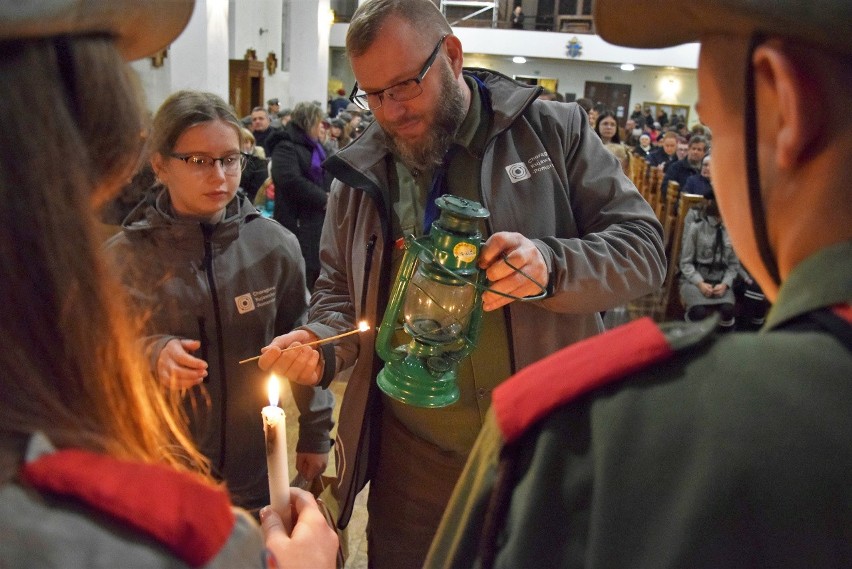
(525, 170)
(255, 299)
(517, 172)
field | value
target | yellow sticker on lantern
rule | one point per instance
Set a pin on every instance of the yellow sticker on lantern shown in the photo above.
(465, 252)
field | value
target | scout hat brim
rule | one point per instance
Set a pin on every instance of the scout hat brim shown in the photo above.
(636, 24)
(140, 27)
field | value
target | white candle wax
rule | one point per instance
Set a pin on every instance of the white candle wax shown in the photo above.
(275, 433)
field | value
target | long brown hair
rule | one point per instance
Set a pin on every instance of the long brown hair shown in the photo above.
(72, 132)
(183, 110)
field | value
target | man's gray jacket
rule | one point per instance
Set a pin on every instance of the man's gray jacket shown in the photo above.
(546, 175)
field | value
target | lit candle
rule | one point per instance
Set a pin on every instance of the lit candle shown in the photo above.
(275, 433)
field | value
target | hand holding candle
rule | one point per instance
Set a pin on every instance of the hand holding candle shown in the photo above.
(275, 432)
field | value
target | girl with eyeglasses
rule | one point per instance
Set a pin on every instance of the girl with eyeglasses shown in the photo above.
(216, 281)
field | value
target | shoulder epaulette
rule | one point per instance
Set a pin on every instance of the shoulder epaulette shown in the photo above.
(190, 518)
(536, 390)
(844, 311)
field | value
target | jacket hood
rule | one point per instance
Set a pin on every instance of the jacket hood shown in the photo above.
(148, 216)
(354, 164)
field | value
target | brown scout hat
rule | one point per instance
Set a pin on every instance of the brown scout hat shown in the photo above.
(140, 27)
(636, 24)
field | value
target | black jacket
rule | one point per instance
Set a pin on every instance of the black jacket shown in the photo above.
(297, 197)
(299, 201)
(254, 175)
(679, 172)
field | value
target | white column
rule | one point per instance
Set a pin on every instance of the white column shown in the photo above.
(197, 59)
(310, 23)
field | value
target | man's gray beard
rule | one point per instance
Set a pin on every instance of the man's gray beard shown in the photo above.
(449, 115)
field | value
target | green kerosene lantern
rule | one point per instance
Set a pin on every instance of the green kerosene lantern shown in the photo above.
(439, 292)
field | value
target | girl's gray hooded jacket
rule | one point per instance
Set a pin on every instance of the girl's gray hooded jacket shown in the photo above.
(234, 286)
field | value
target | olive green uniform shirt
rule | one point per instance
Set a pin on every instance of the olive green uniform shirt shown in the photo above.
(735, 453)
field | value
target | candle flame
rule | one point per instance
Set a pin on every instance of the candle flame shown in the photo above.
(273, 388)
(363, 326)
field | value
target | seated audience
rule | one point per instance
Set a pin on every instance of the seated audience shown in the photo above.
(630, 133)
(700, 184)
(607, 129)
(637, 116)
(680, 171)
(665, 154)
(644, 148)
(588, 105)
(751, 303)
(708, 267)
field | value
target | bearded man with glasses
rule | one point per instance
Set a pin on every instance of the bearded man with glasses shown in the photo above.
(561, 211)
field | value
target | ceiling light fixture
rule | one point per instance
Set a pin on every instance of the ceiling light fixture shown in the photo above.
(519, 59)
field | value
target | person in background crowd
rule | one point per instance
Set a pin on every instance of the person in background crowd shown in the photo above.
(751, 304)
(699, 130)
(587, 105)
(662, 118)
(666, 153)
(96, 468)
(338, 104)
(654, 131)
(217, 281)
(671, 446)
(682, 148)
(356, 115)
(700, 183)
(284, 116)
(573, 223)
(272, 109)
(644, 148)
(607, 129)
(301, 183)
(637, 116)
(261, 127)
(680, 171)
(708, 267)
(329, 143)
(338, 131)
(517, 19)
(256, 170)
(630, 133)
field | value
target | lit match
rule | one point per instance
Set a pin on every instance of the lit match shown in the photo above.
(362, 327)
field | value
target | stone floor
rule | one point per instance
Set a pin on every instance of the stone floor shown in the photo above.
(357, 526)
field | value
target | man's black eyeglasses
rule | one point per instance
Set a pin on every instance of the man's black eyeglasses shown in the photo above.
(400, 92)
